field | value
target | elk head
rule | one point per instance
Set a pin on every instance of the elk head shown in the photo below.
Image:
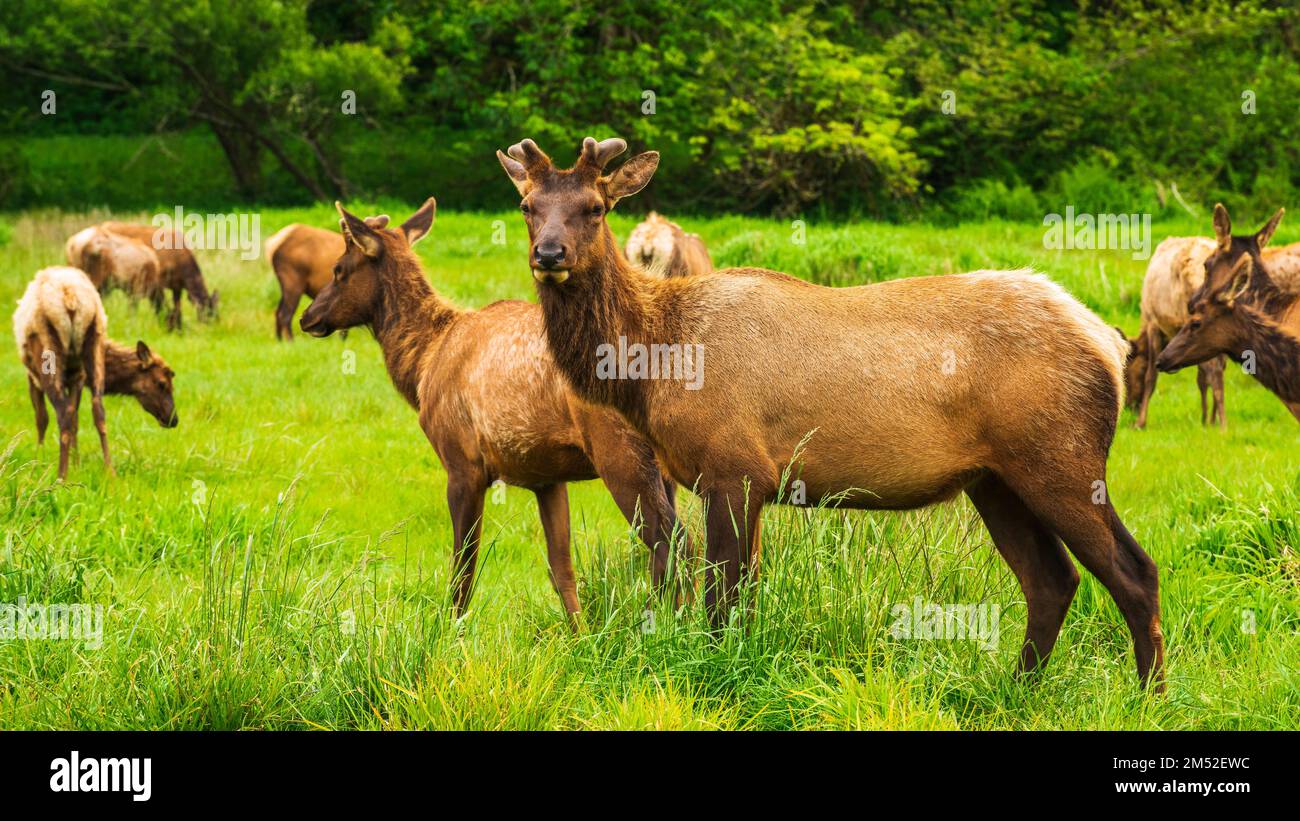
(1229, 250)
(371, 252)
(1216, 322)
(565, 209)
(149, 380)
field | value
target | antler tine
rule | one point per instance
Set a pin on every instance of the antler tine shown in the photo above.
(529, 155)
(598, 154)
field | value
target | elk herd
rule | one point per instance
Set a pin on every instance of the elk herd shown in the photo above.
(894, 395)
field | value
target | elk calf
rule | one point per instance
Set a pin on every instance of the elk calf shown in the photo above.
(979, 365)
(60, 331)
(113, 261)
(491, 401)
(302, 258)
(664, 249)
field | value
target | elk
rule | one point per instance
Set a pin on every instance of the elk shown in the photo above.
(1224, 322)
(1176, 270)
(663, 248)
(490, 400)
(894, 395)
(113, 261)
(1241, 311)
(60, 331)
(178, 267)
(302, 258)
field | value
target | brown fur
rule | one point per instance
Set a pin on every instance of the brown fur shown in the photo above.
(178, 268)
(902, 393)
(302, 258)
(113, 261)
(661, 247)
(1224, 320)
(490, 401)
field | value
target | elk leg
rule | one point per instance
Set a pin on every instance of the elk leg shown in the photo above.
(42, 414)
(731, 525)
(465, 500)
(1099, 540)
(553, 505)
(174, 318)
(635, 482)
(289, 298)
(1209, 377)
(1155, 344)
(1047, 577)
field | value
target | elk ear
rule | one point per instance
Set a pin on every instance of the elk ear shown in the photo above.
(1222, 226)
(420, 222)
(142, 352)
(1239, 281)
(358, 233)
(631, 176)
(1266, 233)
(514, 170)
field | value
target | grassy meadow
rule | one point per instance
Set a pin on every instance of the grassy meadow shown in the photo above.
(280, 559)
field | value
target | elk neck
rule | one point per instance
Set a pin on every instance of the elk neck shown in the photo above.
(1277, 355)
(409, 321)
(120, 366)
(603, 299)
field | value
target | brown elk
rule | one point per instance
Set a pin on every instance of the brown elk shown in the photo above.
(302, 258)
(1175, 271)
(178, 267)
(1239, 310)
(887, 396)
(491, 401)
(663, 248)
(60, 331)
(1224, 322)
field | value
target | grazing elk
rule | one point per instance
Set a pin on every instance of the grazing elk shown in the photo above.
(663, 248)
(491, 401)
(178, 267)
(60, 331)
(302, 258)
(887, 396)
(113, 261)
(1175, 271)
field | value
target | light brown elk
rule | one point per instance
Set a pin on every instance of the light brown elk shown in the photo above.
(113, 261)
(491, 401)
(302, 258)
(1224, 321)
(179, 269)
(59, 328)
(904, 393)
(663, 248)
(1175, 271)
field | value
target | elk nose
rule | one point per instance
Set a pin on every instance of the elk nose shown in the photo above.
(549, 255)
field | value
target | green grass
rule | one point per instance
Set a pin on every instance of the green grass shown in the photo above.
(280, 560)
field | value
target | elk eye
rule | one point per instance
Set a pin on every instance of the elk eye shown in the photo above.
(1195, 324)
(338, 270)
(597, 210)
(523, 207)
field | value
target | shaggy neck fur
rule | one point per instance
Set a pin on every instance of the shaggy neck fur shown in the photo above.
(1277, 354)
(1264, 292)
(120, 367)
(409, 320)
(603, 299)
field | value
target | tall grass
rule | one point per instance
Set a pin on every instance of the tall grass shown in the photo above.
(281, 560)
